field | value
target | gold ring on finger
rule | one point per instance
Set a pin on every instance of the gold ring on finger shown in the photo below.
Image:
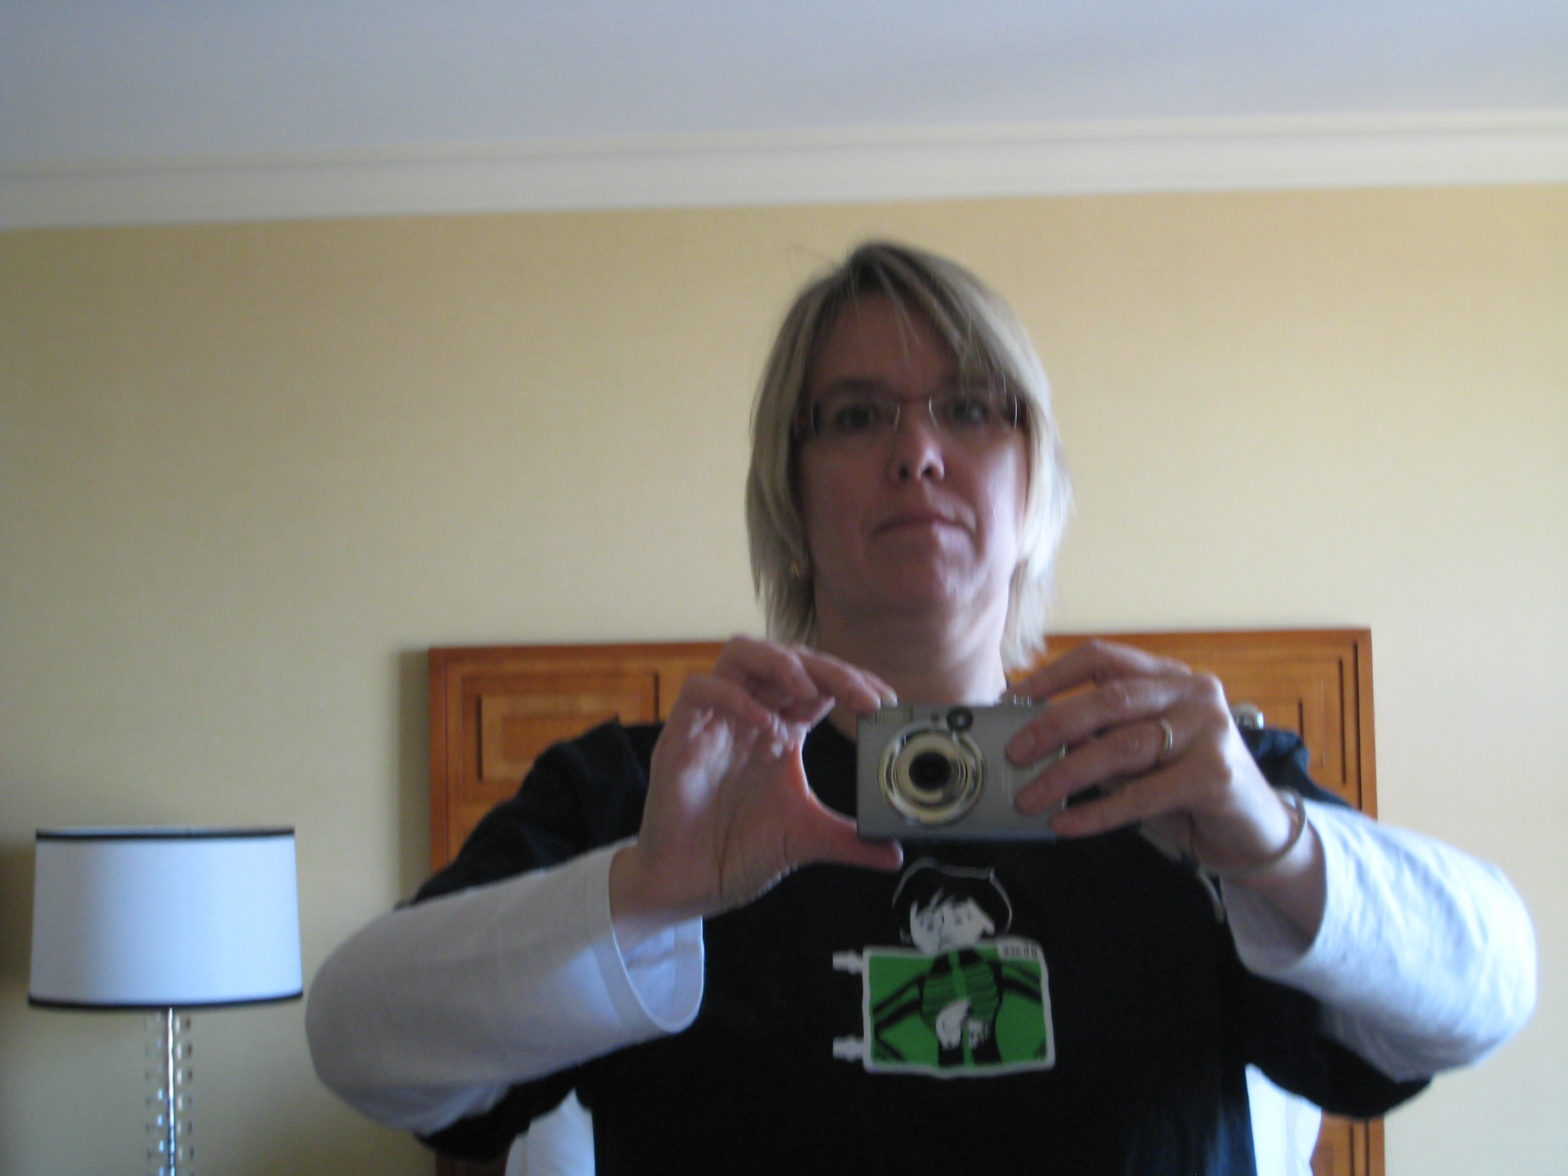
(1169, 743)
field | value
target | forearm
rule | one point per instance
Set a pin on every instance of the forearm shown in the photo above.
(432, 1012)
(1424, 959)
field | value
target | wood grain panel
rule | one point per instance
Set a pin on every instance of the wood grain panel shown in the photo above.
(493, 709)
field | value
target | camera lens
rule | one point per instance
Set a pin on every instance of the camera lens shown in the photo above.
(960, 718)
(930, 771)
(931, 775)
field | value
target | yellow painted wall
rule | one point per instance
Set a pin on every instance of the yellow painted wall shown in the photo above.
(248, 473)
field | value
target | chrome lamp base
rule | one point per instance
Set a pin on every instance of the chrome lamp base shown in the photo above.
(169, 1097)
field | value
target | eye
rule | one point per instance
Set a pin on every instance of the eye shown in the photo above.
(848, 415)
(968, 410)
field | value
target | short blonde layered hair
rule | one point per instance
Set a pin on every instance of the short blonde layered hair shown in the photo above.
(984, 336)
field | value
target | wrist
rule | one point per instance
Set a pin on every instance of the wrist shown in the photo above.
(1277, 859)
(1290, 877)
(640, 904)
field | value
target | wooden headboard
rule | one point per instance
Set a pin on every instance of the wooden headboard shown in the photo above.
(494, 708)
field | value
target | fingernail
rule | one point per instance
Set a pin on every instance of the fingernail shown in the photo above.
(1021, 747)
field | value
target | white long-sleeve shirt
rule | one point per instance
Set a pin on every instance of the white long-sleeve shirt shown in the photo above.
(1424, 960)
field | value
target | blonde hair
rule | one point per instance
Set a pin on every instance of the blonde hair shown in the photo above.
(984, 336)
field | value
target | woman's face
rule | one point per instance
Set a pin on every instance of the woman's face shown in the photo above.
(916, 519)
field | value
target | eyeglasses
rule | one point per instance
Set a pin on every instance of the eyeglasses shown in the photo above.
(975, 415)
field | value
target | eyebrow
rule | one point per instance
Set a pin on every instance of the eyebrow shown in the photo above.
(863, 384)
(871, 386)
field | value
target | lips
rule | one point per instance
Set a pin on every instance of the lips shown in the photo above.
(916, 520)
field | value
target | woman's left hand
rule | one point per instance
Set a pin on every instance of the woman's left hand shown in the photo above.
(1158, 741)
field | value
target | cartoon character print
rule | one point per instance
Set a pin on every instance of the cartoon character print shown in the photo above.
(963, 998)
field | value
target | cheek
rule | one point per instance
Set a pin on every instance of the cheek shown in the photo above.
(809, 480)
(826, 495)
(1007, 490)
(811, 498)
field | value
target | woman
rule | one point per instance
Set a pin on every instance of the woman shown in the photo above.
(637, 925)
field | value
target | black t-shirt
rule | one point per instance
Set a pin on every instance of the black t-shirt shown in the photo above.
(1059, 1006)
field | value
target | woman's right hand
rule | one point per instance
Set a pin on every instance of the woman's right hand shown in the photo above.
(729, 811)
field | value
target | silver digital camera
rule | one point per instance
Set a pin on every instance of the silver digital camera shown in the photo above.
(937, 771)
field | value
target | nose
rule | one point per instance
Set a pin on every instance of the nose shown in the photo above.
(917, 446)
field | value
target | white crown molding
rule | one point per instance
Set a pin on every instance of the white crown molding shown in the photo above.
(801, 168)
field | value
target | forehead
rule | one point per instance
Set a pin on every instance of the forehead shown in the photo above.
(873, 339)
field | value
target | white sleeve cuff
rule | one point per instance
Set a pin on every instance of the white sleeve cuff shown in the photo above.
(1425, 958)
(664, 972)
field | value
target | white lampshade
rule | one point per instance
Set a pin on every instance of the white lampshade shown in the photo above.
(164, 918)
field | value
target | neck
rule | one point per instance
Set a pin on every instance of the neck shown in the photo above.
(960, 661)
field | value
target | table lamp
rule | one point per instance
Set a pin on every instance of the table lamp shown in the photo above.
(166, 920)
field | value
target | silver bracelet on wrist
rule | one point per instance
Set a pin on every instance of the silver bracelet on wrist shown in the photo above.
(1298, 825)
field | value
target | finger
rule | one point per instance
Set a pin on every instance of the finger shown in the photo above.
(795, 680)
(1101, 711)
(704, 695)
(1093, 662)
(850, 686)
(798, 670)
(1122, 753)
(764, 668)
(834, 839)
(1137, 800)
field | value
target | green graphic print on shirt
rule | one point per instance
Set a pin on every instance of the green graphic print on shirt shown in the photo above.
(963, 999)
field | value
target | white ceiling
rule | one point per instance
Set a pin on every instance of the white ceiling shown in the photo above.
(130, 94)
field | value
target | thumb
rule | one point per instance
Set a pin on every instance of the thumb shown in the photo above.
(837, 841)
